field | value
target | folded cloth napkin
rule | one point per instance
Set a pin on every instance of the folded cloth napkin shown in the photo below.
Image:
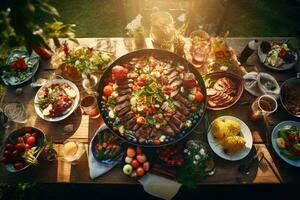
(159, 186)
(96, 168)
(261, 83)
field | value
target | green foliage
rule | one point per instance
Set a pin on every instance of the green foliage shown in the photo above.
(193, 170)
(18, 25)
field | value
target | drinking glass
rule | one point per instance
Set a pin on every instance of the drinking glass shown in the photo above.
(15, 111)
(162, 31)
(261, 108)
(72, 151)
(89, 105)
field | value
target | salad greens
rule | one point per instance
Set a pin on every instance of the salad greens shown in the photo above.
(288, 141)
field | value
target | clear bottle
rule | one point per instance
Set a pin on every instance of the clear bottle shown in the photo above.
(248, 50)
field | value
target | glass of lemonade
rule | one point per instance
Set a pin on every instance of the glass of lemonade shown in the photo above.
(72, 151)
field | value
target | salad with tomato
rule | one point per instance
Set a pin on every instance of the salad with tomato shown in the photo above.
(19, 67)
(150, 100)
(288, 141)
(56, 99)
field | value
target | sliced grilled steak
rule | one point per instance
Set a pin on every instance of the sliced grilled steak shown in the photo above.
(180, 116)
(127, 116)
(129, 124)
(122, 87)
(139, 131)
(120, 99)
(135, 127)
(174, 127)
(168, 130)
(148, 130)
(123, 111)
(182, 99)
(122, 105)
(176, 120)
(154, 133)
(183, 109)
(124, 91)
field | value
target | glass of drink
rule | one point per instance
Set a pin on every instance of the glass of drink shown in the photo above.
(162, 31)
(89, 105)
(72, 151)
(15, 111)
(262, 106)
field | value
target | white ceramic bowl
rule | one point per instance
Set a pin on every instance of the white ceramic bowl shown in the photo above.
(69, 112)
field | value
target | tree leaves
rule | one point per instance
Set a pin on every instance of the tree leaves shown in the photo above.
(47, 8)
(18, 24)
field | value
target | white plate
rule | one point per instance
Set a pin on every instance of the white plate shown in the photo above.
(71, 110)
(295, 163)
(262, 57)
(218, 149)
(34, 58)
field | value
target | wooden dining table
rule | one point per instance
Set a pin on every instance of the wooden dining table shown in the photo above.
(271, 170)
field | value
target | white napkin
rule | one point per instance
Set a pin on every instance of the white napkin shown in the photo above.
(96, 168)
(159, 186)
(254, 85)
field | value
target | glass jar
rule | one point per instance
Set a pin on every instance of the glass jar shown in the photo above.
(162, 31)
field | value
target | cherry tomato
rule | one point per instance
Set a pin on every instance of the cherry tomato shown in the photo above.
(193, 108)
(141, 120)
(14, 154)
(27, 146)
(19, 166)
(20, 146)
(156, 142)
(4, 160)
(7, 153)
(140, 83)
(9, 147)
(198, 96)
(31, 141)
(108, 90)
(292, 138)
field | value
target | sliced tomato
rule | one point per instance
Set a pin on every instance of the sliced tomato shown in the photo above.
(108, 90)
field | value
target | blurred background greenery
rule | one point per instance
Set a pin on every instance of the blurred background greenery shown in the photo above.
(243, 18)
